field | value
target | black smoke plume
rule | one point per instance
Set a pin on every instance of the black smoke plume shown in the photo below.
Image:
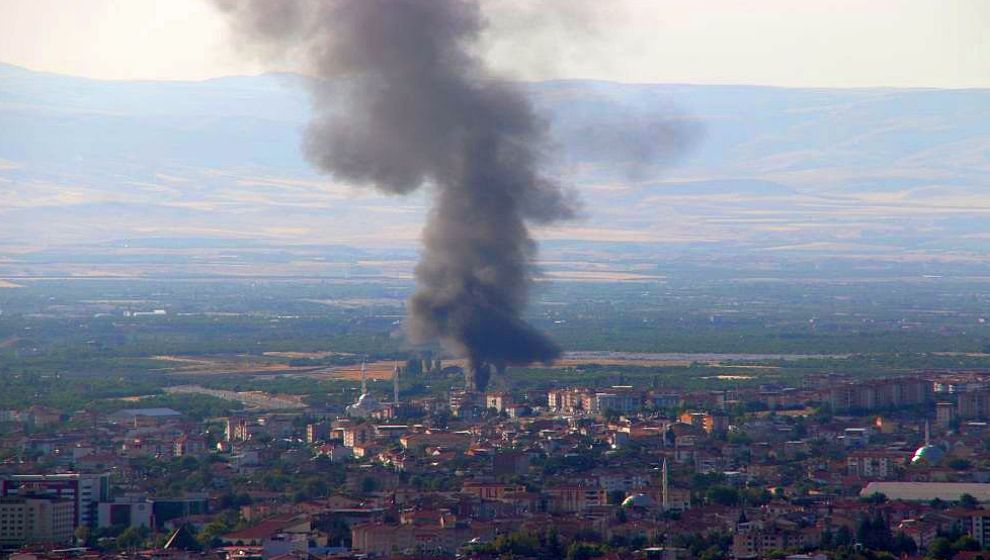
(404, 100)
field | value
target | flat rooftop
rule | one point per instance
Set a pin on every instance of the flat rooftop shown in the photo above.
(927, 491)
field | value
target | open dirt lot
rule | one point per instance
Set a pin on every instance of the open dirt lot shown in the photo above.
(268, 364)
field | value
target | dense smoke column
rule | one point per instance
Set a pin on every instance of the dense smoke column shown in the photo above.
(404, 100)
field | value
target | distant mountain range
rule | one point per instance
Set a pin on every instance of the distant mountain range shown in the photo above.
(866, 173)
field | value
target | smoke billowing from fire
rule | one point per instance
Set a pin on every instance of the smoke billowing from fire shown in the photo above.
(405, 101)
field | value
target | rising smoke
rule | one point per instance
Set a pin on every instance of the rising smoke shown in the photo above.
(404, 100)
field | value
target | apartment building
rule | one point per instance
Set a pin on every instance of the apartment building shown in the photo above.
(84, 491)
(35, 520)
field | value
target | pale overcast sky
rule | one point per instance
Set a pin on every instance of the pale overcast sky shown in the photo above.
(936, 43)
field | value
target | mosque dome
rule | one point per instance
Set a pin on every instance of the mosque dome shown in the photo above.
(638, 500)
(928, 454)
(364, 406)
(366, 400)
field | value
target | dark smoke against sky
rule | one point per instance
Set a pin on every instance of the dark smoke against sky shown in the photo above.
(403, 101)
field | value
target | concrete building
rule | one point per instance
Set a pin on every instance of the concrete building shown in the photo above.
(358, 434)
(508, 463)
(498, 401)
(236, 429)
(466, 405)
(755, 543)
(878, 395)
(665, 400)
(136, 513)
(574, 498)
(189, 446)
(620, 401)
(35, 519)
(713, 423)
(317, 431)
(382, 539)
(491, 490)
(446, 440)
(945, 413)
(85, 491)
(875, 464)
(977, 525)
(567, 401)
(973, 405)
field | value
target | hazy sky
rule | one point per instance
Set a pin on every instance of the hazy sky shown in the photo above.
(940, 43)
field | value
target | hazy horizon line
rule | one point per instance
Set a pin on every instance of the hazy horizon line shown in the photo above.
(515, 80)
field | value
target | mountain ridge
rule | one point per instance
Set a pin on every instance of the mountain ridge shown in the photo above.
(656, 163)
